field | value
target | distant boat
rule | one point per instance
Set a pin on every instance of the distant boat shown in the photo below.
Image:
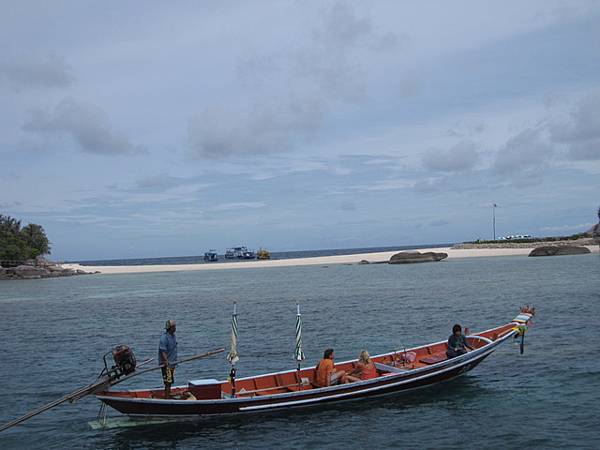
(263, 253)
(248, 254)
(239, 253)
(211, 256)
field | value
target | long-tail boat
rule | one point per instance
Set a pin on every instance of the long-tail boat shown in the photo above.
(397, 371)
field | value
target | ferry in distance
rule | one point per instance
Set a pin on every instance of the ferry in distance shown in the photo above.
(239, 253)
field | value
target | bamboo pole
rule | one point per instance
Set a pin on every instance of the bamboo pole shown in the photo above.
(97, 386)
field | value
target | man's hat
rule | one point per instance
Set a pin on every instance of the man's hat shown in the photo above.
(170, 323)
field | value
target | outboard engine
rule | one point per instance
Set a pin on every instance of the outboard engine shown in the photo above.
(124, 359)
(125, 362)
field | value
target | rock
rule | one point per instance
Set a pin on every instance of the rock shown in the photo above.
(38, 268)
(555, 250)
(416, 257)
(595, 232)
(29, 272)
(40, 261)
(364, 261)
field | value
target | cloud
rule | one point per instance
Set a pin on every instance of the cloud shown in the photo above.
(158, 182)
(582, 226)
(239, 205)
(164, 183)
(30, 73)
(347, 206)
(220, 133)
(526, 152)
(290, 94)
(581, 132)
(438, 223)
(460, 158)
(86, 124)
(385, 185)
(428, 185)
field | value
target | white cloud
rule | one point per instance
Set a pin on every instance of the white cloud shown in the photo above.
(86, 124)
(238, 205)
(526, 151)
(582, 227)
(463, 156)
(30, 73)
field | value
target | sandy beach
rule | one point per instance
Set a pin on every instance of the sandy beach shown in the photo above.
(321, 260)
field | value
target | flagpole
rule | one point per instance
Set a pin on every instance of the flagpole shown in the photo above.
(233, 356)
(494, 218)
(298, 353)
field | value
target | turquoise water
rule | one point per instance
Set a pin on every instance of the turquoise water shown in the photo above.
(55, 331)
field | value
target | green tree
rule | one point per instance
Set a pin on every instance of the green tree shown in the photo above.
(35, 238)
(12, 245)
(18, 243)
(9, 225)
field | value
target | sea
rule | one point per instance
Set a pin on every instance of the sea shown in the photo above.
(57, 330)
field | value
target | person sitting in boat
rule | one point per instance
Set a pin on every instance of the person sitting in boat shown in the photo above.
(365, 368)
(457, 343)
(326, 373)
(167, 355)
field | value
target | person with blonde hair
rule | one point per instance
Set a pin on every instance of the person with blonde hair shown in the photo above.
(365, 368)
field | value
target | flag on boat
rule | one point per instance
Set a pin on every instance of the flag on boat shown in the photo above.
(233, 356)
(298, 353)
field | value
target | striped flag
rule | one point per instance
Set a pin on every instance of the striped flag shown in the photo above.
(233, 356)
(298, 353)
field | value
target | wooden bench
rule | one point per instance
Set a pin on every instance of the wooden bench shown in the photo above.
(434, 359)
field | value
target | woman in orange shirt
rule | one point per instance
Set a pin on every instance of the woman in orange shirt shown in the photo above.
(326, 373)
(365, 368)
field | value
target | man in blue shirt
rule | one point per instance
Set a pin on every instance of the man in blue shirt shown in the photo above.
(167, 355)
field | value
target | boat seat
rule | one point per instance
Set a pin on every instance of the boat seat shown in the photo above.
(434, 359)
(271, 392)
(384, 369)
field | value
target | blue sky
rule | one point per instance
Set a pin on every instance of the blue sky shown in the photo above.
(139, 131)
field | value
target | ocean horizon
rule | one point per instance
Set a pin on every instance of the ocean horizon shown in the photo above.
(199, 259)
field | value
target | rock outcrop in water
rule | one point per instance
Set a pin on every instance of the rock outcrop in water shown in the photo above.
(554, 250)
(38, 268)
(416, 257)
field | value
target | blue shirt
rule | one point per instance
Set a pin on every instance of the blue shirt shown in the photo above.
(168, 344)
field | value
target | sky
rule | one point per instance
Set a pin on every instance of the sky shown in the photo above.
(148, 129)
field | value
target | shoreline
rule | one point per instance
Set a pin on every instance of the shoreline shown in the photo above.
(378, 257)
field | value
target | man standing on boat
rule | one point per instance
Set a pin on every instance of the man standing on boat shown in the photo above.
(167, 355)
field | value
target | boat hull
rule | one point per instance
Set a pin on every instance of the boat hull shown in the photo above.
(390, 384)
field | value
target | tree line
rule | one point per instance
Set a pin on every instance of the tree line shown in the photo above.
(21, 243)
